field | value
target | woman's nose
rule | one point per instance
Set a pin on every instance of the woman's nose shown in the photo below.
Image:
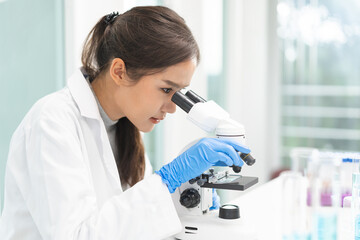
(170, 107)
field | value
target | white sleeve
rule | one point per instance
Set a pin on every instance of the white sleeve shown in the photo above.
(62, 200)
(136, 214)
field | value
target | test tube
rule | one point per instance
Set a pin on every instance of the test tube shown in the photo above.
(346, 171)
(294, 209)
(325, 197)
(355, 202)
(302, 158)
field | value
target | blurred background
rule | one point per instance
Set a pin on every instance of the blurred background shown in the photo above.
(288, 70)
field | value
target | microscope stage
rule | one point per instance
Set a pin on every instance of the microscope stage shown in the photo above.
(233, 182)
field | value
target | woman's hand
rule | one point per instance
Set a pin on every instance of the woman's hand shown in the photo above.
(200, 157)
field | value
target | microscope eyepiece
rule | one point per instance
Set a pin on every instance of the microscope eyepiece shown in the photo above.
(194, 97)
(182, 101)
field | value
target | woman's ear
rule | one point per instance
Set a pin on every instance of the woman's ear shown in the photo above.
(118, 71)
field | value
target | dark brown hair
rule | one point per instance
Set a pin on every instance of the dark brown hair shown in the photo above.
(148, 40)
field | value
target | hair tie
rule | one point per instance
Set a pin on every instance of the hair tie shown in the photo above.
(110, 17)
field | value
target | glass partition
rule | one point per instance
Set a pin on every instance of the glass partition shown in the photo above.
(320, 48)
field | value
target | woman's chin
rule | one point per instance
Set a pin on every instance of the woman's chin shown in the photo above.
(147, 128)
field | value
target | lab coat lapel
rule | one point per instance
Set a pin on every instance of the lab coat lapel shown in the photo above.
(100, 180)
(86, 102)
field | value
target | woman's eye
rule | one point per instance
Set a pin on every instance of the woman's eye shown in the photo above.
(167, 90)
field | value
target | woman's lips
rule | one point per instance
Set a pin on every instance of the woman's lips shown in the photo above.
(155, 120)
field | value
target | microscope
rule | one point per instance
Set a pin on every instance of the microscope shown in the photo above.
(193, 199)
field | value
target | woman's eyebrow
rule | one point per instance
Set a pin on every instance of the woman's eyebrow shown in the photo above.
(175, 85)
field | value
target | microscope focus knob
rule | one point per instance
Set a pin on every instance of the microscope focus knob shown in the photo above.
(190, 198)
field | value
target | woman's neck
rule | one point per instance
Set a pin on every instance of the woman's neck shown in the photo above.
(104, 89)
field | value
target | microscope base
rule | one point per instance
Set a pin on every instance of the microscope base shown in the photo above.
(210, 226)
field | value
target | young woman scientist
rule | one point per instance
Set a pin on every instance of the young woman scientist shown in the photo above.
(78, 150)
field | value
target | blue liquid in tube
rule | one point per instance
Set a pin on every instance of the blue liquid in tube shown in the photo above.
(357, 227)
(356, 203)
(326, 226)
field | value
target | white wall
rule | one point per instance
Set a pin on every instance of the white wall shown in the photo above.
(253, 86)
(80, 17)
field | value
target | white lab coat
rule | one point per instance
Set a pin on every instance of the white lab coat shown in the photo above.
(62, 182)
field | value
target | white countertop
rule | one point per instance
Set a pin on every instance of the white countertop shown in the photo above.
(262, 207)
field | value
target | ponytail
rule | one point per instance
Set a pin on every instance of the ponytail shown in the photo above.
(131, 162)
(92, 45)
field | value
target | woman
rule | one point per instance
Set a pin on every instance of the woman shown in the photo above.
(78, 150)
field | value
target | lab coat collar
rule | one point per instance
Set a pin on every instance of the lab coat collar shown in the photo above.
(83, 96)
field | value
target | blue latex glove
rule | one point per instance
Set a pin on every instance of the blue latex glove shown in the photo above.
(200, 157)
(215, 200)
